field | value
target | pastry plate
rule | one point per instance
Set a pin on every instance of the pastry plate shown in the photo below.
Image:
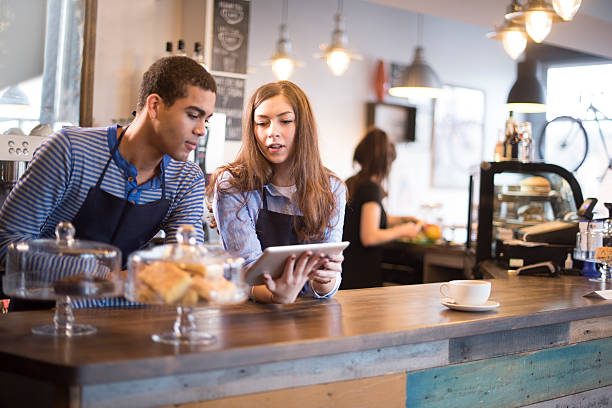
(488, 305)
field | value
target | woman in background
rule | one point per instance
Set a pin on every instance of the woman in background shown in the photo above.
(277, 192)
(365, 221)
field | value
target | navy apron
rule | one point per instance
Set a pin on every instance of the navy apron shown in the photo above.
(273, 228)
(106, 218)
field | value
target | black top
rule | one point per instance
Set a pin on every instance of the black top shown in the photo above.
(361, 266)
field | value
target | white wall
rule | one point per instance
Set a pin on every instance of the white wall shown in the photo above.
(459, 52)
(130, 35)
(134, 33)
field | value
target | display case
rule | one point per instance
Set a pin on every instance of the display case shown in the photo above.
(507, 196)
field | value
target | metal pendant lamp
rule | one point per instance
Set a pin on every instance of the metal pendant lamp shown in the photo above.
(527, 94)
(336, 54)
(538, 16)
(566, 9)
(282, 62)
(512, 34)
(419, 79)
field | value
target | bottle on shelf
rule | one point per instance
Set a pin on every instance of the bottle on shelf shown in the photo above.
(526, 148)
(512, 139)
(168, 49)
(180, 49)
(198, 55)
(498, 153)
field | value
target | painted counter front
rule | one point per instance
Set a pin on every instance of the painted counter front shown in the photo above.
(545, 345)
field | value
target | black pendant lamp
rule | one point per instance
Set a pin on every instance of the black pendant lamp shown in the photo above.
(527, 94)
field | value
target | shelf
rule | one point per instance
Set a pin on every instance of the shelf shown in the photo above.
(512, 196)
(516, 223)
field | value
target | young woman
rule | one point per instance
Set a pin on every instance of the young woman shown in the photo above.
(365, 222)
(277, 192)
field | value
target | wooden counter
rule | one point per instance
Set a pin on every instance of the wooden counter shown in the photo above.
(379, 347)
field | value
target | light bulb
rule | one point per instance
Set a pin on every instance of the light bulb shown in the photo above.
(566, 9)
(338, 61)
(282, 68)
(526, 107)
(514, 43)
(538, 24)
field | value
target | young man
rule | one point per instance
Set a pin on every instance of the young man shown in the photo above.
(121, 185)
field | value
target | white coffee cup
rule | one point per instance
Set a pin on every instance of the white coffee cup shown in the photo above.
(467, 292)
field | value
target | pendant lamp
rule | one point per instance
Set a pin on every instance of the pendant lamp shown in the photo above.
(419, 79)
(336, 53)
(538, 16)
(527, 94)
(282, 63)
(566, 9)
(512, 35)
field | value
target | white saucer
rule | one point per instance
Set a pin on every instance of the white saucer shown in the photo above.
(488, 305)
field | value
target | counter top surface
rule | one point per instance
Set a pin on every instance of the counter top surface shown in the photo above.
(355, 320)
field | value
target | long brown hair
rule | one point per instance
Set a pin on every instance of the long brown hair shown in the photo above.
(375, 153)
(251, 170)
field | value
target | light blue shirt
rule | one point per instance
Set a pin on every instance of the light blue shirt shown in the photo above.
(236, 222)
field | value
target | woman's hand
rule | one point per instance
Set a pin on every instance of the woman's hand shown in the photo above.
(410, 229)
(323, 280)
(287, 287)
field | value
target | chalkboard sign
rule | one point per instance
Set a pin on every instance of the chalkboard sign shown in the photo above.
(230, 97)
(230, 36)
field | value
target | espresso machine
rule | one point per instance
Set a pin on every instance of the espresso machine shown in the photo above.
(15, 152)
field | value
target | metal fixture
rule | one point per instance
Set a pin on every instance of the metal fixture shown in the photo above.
(418, 79)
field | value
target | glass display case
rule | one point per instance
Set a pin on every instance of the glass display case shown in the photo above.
(505, 197)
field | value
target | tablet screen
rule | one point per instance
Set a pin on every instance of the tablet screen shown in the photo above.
(273, 259)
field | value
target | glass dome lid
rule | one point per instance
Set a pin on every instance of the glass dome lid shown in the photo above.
(60, 269)
(185, 275)
(45, 269)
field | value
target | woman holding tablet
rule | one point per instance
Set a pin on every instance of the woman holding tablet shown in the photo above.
(365, 223)
(277, 192)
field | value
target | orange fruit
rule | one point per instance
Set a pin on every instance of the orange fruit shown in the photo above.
(433, 232)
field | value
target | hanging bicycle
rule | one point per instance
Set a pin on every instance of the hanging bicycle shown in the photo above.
(564, 140)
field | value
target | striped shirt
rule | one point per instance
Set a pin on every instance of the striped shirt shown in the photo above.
(68, 164)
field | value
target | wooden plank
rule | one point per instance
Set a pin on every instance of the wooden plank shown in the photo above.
(515, 380)
(387, 391)
(251, 334)
(266, 377)
(590, 329)
(507, 342)
(598, 398)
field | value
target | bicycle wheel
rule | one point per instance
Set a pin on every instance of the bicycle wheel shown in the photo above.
(564, 142)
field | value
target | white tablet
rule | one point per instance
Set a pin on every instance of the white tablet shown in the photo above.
(272, 260)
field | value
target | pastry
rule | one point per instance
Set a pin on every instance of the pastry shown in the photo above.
(190, 298)
(531, 212)
(218, 290)
(166, 279)
(209, 271)
(535, 185)
(147, 295)
(603, 254)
